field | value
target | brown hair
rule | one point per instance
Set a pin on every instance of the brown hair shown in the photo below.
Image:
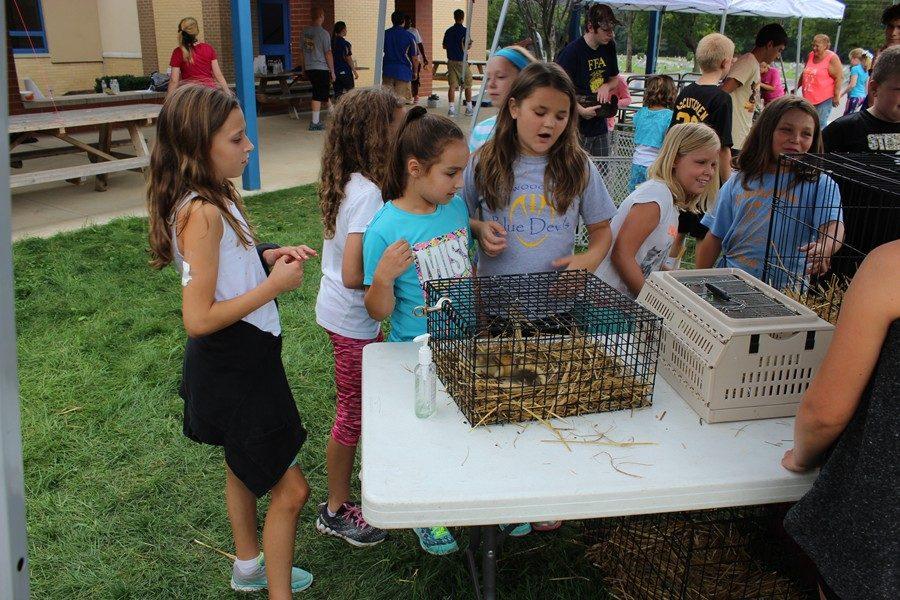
(180, 164)
(188, 30)
(756, 157)
(422, 136)
(597, 14)
(357, 141)
(563, 180)
(660, 90)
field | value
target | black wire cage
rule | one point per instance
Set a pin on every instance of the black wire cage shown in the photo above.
(719, 554)
(863, 188)
(512, 348)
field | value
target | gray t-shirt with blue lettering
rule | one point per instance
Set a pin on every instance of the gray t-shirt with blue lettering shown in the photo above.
(536, 234)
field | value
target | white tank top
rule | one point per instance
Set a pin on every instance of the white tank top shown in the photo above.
(240, 269)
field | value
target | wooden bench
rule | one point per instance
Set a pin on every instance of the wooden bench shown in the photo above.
(443, 75)
(79, 172)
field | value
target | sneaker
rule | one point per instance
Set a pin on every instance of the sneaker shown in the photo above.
(469, 110)
(436, 540)
(300, 579)
(520, 530)
(317, 126)
(546, 525)
(349, 525)
(451, 112)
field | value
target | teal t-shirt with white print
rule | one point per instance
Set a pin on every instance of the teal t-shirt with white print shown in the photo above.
(440, 243)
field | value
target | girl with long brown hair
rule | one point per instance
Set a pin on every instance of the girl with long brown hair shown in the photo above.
(528, 185)
(234, 387)
(363, 123)
(739, 228)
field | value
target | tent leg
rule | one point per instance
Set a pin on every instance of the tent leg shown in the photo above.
(470, 5)
(722, 24)
(799, 50)
(837, 36)
(379, 42)
(496, 42)
(653, 41)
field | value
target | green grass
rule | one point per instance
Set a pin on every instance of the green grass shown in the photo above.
(115, 493)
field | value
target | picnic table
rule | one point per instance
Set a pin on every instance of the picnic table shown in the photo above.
(103, 157)
(439, 471)
(478, 64)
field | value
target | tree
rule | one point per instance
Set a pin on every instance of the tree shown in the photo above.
(546, 20)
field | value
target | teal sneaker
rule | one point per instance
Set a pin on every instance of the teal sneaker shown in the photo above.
(300, 579)
(520, 530)
(436, 540)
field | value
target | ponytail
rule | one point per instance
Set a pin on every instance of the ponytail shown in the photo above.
(188, 30)
(422, 136)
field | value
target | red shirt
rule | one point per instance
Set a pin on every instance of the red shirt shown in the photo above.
(199, 70)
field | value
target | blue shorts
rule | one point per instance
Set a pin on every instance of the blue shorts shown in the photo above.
(638, 176)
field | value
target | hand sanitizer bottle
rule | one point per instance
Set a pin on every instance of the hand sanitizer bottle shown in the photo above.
(426, 380)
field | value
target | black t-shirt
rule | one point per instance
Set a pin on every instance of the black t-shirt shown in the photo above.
(870, 217)
(705, 104)
(589, 68)
(342, 51)
(861, 132)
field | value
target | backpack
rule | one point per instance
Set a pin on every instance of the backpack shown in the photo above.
(159, 82)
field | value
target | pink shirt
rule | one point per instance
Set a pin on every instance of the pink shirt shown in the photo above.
(818, 85)
(199, 70)
(772, 77)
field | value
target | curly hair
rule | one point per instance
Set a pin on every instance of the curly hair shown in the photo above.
(660, 91)
(357, 141)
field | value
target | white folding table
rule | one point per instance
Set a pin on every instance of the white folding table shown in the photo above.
(439, 471)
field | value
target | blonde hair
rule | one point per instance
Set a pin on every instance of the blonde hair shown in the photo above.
(188, 30)
(863, 56)
(821, 37)
(682, 139)
(713, 50)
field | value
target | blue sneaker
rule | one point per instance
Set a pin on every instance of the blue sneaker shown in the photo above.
(300, 579)
(520, 530)
(436, 540)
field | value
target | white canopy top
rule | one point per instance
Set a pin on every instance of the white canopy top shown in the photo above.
(807, 9)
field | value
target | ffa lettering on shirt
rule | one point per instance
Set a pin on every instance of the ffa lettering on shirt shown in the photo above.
(690, 110)
(597, 68)
(443, 257)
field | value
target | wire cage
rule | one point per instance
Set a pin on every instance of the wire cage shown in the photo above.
(720, 554)
(864, 187)
(615, 170)
(513, 348)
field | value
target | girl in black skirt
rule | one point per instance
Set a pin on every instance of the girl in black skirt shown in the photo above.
(234, 387)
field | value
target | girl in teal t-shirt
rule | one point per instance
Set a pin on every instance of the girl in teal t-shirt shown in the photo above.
(860, 63)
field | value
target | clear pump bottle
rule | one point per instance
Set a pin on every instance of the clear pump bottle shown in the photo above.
(426, 380)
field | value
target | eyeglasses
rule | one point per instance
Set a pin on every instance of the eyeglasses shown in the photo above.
(605, 26)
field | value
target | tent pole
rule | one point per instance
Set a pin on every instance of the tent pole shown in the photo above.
(13, 538)
(653, 41)
(722, 24)
(496, 42)
(837, 36)
(470, 5)
(799, 46)
(379, 42)
(242, 41)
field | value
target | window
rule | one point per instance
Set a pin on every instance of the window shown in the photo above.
(26, 26)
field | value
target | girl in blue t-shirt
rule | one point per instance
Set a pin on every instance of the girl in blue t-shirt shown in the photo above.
(420, 234)
(807, 230)
(860, 63)
(650, 125)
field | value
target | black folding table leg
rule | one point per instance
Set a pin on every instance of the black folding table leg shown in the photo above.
(489, 561)
(474, 544)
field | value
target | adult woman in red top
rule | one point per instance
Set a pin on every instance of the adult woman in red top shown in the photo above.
(822, 78)
(194, 62)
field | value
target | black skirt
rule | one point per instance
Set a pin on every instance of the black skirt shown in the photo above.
(236, 395)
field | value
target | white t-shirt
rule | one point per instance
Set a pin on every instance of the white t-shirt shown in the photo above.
(416, 34)
(655, 248)
(339, 309)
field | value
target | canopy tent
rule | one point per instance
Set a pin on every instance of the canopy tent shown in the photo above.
(801, 9)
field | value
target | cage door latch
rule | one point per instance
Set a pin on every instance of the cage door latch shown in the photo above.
(422, 311)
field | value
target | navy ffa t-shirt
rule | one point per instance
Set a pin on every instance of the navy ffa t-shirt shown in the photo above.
(589, 68)
(705, 104)
(454, 39)
(341, 49)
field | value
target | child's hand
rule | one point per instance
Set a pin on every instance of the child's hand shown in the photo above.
(575, 262)
(295, 252)
(790, 463)
(491, 237)
(286, 274)
(396, 259)
(818, 257)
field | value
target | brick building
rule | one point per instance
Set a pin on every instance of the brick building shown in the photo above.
(64, 45)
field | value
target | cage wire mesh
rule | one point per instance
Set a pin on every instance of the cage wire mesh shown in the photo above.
(615, 170)
(720, 554)
(865, 187)
(513, 348)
